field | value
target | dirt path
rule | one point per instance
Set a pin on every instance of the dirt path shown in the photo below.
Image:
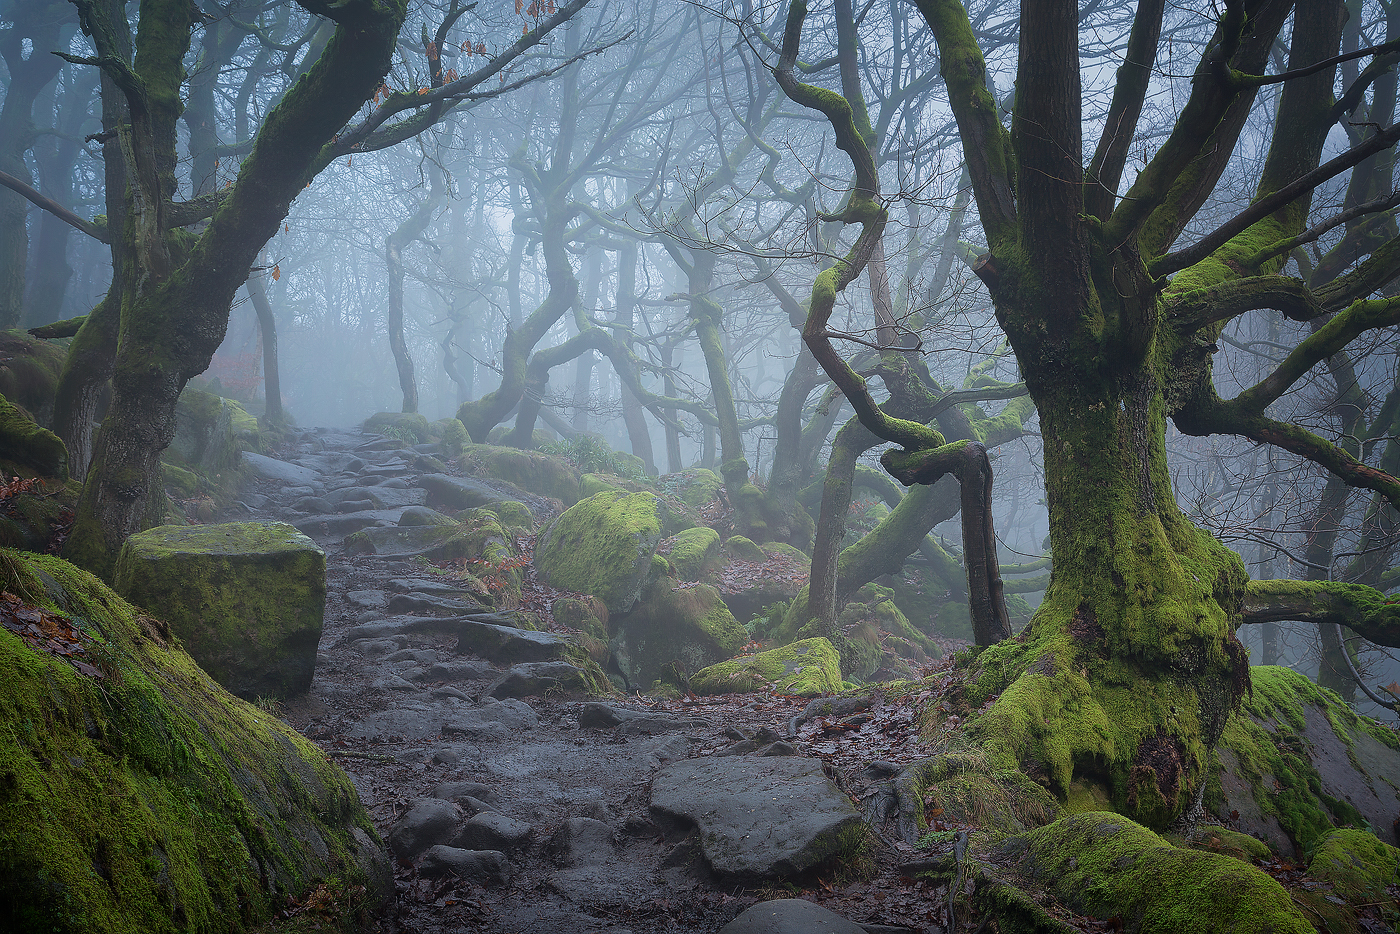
(437, 762)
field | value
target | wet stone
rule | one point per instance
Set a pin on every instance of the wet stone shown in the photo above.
(427, 822)
(369, 599)
(485, 867)
(491, 830)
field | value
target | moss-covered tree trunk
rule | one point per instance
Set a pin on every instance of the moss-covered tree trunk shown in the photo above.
(174, 300)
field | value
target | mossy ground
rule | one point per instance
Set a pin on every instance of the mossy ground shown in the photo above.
(148, 799)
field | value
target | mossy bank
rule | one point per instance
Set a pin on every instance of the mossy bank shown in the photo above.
(136, 795)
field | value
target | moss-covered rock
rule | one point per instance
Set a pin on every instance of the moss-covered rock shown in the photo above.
(409, 427)
(677, 630)
(144, 798)
(1296, 761)
(1105, 865)
(205, 436)
(246, 599)
(695, 487)
(586, 614)
(739, 548)
(452, 436)
(513, 514)
(807, 669)
(30, 375)
(541, 474)
(755, 576)
(693, 553)
(23, 441)
(1357, 865)
(604, 546)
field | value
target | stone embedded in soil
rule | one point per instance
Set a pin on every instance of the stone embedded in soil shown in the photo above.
(273, 469)
(398, 724)
(769, 818)
(468, 670)
(346, 523)
(790, 916)
(427, 605)
(598, 716)
(459, 492)
(535, 678)
(583, 841)
(485, 867)
(456, 791)
(366, 599)
(427, 822)
(491, 830)
(505, 645)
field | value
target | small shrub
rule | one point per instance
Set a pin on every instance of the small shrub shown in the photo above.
(591, 454)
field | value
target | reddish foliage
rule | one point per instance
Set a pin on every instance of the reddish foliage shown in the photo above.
(47, 632)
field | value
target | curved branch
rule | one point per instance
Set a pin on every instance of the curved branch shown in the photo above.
(1191, 310)
(1363, 610)
(101, 234)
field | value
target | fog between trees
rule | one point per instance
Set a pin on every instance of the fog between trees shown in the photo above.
(568, 236)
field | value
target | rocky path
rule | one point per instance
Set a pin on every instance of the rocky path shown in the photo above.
(512, 807)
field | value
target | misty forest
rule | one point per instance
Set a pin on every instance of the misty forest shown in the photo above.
(881, 465)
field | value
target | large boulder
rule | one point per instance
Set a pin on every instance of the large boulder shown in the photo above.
(807, 668)
(30, 375)
(1296, 761)
(211, 432)
(678, 630)
(246, 599)
(541, 474)
(604, 546)
(136, 794)
(24, 442)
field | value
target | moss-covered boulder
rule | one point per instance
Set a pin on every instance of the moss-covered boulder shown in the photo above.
(210, 432)
(677, 630)
(1356, 864)
(246, 599)
(541, 474)
(807, 669)
(24, 442)
(1296, 761)
(604, 546)
(1105, 865)
(30, 375)
(755, 576)
(585, 613)
(693, 553)
(695, 487)
(408, 427)
(138, 796)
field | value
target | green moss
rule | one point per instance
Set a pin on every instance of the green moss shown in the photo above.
(1105, 865)
(246, 598)
(1358, 866)
(583, 613)
(604, 546)
(147, 799)
(30, 375)
(808, 668)
(676, 630)
(744, 549)
(513, 515)
(185, 483)
(541, 474)
(693, 552)
(695, 487)
(409, 427)
(23, 441)
(452, 436)
(1216, 839)
(591, 483)
(1267, 740)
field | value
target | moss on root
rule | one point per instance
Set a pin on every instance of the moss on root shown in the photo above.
(147, 799)
(1105, 865)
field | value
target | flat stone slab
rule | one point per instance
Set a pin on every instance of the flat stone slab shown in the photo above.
(767, 818)
(790, 916)
(507, 646)
(273, 469)
(598, 716)
(437, 542)
(389, 498)
(459, 492)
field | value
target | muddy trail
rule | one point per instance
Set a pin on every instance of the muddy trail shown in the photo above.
(512, 807)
